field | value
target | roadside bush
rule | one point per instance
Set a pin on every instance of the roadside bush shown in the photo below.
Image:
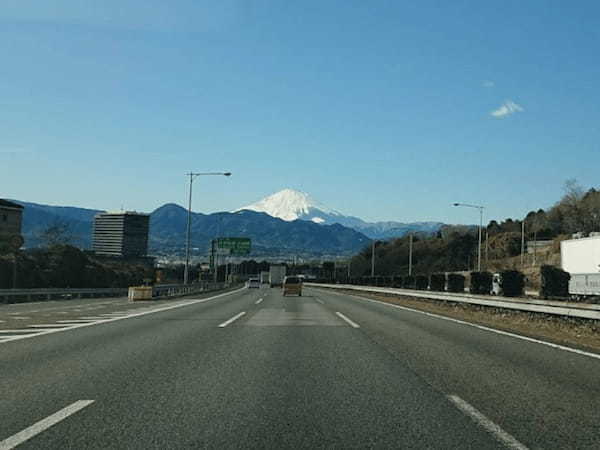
(513, 283)
(481, 283)
(437, 282)
(555, 282)
(456, 282)
(421, 282)
(408, 282)
(396, 281)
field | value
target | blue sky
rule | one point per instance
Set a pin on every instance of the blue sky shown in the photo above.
(382, 109)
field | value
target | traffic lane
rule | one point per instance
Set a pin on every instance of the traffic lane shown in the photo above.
(42, 371)
(260, 387)
(36, 314)
(543, 396)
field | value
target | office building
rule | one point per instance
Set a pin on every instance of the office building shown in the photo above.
(121, 234)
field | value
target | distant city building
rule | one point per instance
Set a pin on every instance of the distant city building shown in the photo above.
(11, 218)
(121, 234)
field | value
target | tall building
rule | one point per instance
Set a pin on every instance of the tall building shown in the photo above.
(121, 234)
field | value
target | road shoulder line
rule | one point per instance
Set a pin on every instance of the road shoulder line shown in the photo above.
(180, 304)
(481, 327)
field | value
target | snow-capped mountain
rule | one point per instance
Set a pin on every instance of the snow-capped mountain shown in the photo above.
(290, 205)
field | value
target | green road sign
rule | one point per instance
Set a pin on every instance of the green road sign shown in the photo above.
(235, 246)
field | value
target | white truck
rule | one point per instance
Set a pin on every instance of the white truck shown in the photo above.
(276, 274)
(264, 277)
(581, 258)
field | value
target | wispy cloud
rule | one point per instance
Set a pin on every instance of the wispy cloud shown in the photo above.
(506, 109)
(488, 84)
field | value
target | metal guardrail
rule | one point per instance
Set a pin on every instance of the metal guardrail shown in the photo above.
(159, 291)
(582, 311)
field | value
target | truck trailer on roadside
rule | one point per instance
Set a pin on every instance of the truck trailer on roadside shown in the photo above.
(264, 277)
(581, 258)
(276, 274)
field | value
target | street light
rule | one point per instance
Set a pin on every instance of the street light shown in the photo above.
(480, 208)
(193, 176)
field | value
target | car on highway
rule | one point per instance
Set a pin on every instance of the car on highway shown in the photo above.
(253, 283)
(292, 286)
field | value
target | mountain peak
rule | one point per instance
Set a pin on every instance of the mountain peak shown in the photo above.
(287, 204)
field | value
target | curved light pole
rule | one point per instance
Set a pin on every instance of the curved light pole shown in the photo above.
(480, 208)
(193, 176)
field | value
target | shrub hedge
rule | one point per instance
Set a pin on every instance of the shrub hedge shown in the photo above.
(555, 282)
(421, 282)
(513, 283)
(481, 283)
(456, 282)
(408, 282)
(437, 282)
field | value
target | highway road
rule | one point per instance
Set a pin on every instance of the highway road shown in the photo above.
(252, 369)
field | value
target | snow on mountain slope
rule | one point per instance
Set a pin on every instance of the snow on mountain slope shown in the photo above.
(290, 204)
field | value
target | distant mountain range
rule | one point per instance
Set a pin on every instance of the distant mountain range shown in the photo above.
(269, 235)
(286, 223)
(290, 205)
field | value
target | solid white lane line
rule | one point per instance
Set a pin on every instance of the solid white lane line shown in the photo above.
(43, 424)
(481, 327)
(350, 322)
(505, 438)
(48, 325)
(114, 319)
(74, 321)
(258, 301)
(233, 319)
(320, 301)
(20, 330)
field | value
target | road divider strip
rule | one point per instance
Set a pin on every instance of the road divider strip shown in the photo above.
(44, 424)
(233, 319)
(474, 325)
(502, 436)
(348, 321)
(179, 304)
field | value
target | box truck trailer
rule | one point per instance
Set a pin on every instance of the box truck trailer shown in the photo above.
(581, 258)
(276, 274)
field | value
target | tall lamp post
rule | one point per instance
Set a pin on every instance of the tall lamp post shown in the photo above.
(193, 176)
(480, 208)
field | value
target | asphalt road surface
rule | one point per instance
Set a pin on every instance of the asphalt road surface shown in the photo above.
(252, 369)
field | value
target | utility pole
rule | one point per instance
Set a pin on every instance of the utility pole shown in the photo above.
(486, 248)
(373, 259)
(480, 208)
(410, 246)
(522, 242)
(534, 246)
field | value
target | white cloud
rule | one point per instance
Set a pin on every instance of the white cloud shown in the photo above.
(506, 109)
(488, 84)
